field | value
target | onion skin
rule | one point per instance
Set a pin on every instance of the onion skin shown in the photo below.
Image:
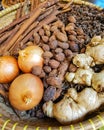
(26, 91)
(8, 69)
(29, 57)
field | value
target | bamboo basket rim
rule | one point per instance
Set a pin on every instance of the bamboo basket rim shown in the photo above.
(90, 124)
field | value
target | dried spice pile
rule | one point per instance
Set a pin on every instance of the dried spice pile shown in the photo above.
(61, 38)
(88, 18)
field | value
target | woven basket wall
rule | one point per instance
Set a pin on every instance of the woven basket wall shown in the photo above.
(8, 123)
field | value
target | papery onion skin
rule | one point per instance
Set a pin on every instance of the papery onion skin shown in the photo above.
(26, 91)
(29, 57)
(8, 69)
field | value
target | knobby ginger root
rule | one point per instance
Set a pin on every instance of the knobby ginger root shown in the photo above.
(81, 76)
(74, 106)
(83, 61)
(97, 53)
(95, 49)
(87, 77)
(94, 54)
(98, 81)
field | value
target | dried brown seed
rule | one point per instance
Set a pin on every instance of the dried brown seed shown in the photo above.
(63, 68)
(46, 27)
(69, 28)
(47, 54)
(73, 46)
(68, 52)
(72, 24)
(72, 19)
(63, 45)
(53, 44)
(60, 57)
(47, 69)
(79, 31)
(72, 38)
(53, 72)
(58, 24)
(45, 47)
(71, 32)
(36, 38)
(53, 28)
(61, 36)
(49, 93)
(54, 63)
(52, 38)
(45, 39)
(48, 33)
(54, 81)
(41, 32)
(58, 50)
(46, 61)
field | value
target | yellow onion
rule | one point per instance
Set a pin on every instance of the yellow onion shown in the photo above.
(26, 91)
(29, 57)
(8, 69)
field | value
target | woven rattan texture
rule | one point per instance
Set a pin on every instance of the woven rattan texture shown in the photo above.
(48, 124)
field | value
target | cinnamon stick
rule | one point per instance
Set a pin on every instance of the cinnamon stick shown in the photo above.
(30, 28)
(46, 13)
(42, 5)
(41, 17)
(14, 23)
(33, 16)
(48, 20)
(5, 36)
(23, 27)
(2, 34)
(2, 47)
(24, 35)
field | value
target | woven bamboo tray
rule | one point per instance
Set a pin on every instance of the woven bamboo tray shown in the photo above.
(8, 123)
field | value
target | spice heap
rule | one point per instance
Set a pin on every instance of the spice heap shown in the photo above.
(61, 30)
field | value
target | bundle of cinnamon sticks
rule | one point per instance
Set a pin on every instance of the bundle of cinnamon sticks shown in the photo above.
(23, 27)
(21, 30)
